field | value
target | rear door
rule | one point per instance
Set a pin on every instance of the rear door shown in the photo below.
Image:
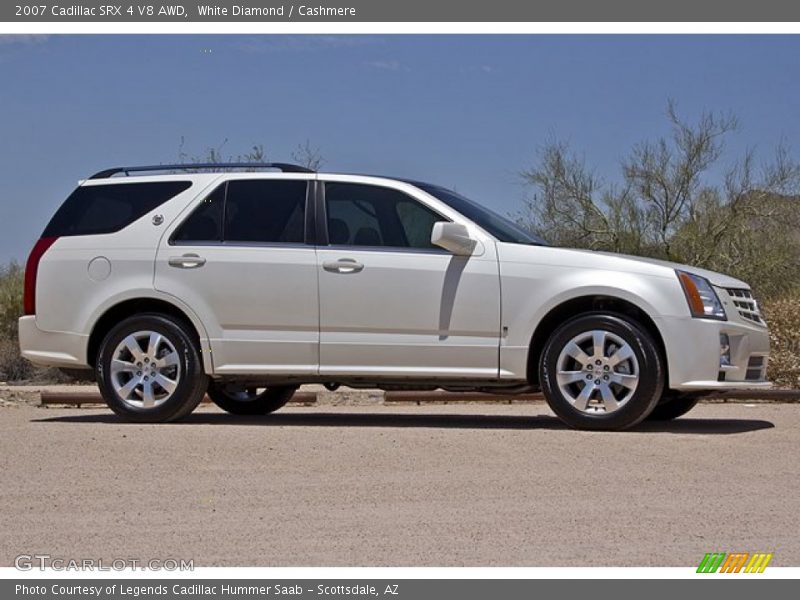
(240, 259)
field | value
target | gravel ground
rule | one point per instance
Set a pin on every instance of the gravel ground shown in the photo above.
(378, 485)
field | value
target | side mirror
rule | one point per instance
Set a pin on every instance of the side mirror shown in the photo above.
(453, 237)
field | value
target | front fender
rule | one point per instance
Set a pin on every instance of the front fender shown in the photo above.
(531, 292)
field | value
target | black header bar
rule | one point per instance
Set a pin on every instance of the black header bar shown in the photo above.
(471, 11)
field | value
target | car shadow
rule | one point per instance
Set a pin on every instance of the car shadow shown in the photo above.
(685, 426)
(688, 425)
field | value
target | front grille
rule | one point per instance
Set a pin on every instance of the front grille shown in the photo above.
(755, 369)
(746, 305)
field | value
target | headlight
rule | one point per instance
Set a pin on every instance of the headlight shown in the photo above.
(703, 300)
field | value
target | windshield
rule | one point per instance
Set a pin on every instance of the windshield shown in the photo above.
(502, 228)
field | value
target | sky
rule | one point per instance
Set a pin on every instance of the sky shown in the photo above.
(465, 111)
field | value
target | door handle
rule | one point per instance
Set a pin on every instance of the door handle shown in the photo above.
(343, 265)
(187, 261)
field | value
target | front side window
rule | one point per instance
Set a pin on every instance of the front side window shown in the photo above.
(248, 210)
(500, 227)
(367, 215)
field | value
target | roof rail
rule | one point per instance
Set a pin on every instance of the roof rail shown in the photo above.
(285, 167)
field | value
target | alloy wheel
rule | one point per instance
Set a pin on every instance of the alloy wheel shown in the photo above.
(145, 369)
(597, 372)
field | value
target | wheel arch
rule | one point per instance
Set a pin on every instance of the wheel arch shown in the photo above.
(580, 305)
(133, 306)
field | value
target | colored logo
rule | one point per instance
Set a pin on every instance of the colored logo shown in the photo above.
(735, 562)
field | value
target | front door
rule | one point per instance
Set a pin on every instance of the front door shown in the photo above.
(392, 304)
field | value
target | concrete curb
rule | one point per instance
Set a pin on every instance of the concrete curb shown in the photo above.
(314, 395)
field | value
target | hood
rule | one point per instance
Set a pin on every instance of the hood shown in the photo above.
(717, 279)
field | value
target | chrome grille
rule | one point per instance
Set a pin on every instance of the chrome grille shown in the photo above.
(746, 305)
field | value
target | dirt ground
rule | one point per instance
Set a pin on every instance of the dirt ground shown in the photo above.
(399, 486)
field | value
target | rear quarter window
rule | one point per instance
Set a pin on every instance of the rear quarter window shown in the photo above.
(97, 209)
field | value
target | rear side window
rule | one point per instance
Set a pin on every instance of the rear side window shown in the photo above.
(248, 210)
(96, 209)
(265, 211)
(205, 222)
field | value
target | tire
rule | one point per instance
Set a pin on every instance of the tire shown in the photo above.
(241, 401)
(151, 352)
(673, 406)
(612, 373)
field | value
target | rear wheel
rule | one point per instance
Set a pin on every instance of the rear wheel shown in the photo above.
(601, 371)
(240, 400)
(149, 369)
(673, 406)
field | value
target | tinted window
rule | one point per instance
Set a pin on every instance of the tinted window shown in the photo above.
(417, 222)
(265, 211)
(95, 209)
(365, 215)
(205, 223)
(501, 228)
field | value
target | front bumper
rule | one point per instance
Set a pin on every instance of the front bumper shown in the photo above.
(51, 348)
(693, 354)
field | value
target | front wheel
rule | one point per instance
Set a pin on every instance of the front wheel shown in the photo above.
(601, 371)
(239, 400)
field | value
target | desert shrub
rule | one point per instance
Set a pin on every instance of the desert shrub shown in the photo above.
(11, 282)
(783, 317)
(12, 365)
(681, 198)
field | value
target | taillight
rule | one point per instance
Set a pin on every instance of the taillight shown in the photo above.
(31, 269)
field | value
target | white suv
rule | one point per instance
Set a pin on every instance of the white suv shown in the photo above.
(248, 280)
